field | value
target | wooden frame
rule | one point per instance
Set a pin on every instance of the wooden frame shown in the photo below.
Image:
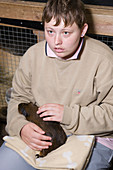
(100, 18)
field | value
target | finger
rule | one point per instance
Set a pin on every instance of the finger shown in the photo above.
(35, 132)
(44, 144)
(50, 118)
(47, 107)
(38, 147)
(39, 136)
(45, 138)
(37, 143)
(47, 113)
(40, 144)
(37, 128)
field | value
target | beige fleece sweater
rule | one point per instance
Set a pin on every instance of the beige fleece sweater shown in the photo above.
(84, 86)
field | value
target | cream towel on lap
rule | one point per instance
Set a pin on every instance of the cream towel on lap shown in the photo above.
(74, 154)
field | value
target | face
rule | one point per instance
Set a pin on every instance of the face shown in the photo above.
(62, 40)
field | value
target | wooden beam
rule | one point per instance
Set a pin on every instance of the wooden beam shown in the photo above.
(17, 9)
(100, 18)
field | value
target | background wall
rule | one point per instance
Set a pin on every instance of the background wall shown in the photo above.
(99, 2)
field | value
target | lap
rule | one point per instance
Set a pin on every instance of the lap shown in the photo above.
(9, 160)
(101, 158)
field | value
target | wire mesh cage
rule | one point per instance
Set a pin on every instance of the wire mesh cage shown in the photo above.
(14, 41)
(108, 40)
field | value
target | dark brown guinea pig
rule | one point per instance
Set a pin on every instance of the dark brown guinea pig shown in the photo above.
(51, 128)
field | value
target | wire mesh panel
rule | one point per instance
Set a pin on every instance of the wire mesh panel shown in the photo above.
(14, 42)
(105, 39)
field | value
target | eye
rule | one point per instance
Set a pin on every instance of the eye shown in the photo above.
(66, 33)
(50, 32)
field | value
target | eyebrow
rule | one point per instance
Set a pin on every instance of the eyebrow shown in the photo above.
(49, 27)
(63, 29)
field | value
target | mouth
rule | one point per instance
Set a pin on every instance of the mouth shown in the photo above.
(59, 50)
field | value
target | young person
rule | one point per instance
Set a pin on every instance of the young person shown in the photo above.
(71, 77)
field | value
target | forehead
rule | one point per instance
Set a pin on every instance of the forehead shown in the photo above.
(52, 22)
(61, 24)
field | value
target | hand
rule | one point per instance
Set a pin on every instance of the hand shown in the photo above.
(34, 137)
(53, 112)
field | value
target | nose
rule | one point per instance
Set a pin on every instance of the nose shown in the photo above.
(58, 39)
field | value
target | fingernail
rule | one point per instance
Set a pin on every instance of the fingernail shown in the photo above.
(47, 147)
(43, 132)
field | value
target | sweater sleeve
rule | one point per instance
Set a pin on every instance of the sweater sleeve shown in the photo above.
(21, 93)
(96, 117)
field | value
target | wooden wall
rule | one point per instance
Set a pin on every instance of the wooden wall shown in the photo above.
(100, 18)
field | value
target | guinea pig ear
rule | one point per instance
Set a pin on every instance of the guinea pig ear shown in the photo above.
(22, 110)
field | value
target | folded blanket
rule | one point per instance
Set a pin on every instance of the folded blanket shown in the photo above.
(73, 155)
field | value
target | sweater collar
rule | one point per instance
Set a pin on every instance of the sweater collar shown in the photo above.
(50, 53)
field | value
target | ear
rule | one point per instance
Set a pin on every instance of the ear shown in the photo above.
(21, 109)
(84, 30)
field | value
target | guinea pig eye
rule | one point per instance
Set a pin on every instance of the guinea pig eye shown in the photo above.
(25, 113)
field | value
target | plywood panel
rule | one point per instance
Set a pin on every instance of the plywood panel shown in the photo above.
(21, 10)
(100, 18)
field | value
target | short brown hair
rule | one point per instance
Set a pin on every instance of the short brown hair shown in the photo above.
(69, 10)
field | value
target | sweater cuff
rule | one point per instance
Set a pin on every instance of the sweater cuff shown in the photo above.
(71, 114)
(16, 131)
